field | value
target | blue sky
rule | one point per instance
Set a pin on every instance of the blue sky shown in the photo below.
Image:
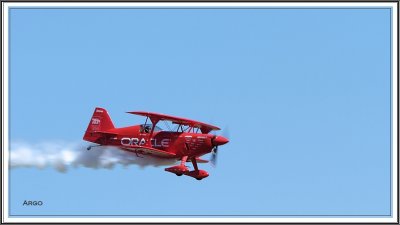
(304, 93)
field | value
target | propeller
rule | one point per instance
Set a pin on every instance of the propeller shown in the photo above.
(213, 159)
(215, 142)
(226, 132)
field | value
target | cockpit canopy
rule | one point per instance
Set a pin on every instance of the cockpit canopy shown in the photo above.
(146, 128)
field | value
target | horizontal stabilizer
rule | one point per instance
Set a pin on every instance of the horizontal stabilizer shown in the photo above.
(111, 134)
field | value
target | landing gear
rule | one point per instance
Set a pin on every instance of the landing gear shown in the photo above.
(181, 169)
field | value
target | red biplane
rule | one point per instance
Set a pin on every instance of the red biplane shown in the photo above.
(190, 140)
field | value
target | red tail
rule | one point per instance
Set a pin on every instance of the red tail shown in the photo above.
(100, 121)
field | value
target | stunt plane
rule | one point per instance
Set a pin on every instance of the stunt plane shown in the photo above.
(186, 143)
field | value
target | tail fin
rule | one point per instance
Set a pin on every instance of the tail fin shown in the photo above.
(100, 121)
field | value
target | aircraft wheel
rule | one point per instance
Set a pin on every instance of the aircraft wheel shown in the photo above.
(199, 178)
(178, 174)
(88, 148)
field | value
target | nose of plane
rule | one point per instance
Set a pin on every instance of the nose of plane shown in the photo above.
(219, 140)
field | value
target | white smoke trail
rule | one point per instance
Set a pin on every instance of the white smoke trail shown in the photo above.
(62, 156)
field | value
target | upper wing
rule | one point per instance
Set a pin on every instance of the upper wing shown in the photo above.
(205, 128)
(150, 151)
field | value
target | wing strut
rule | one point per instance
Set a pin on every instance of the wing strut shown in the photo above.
(194, 162)
(154, 122)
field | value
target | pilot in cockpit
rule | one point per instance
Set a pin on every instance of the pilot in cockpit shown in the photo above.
(147, 129)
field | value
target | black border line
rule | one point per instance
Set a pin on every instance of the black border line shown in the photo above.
(217, 8)
(398, 157)
(249, 8)
(2, 112)
(390, 114)
(216, 216)
(205, 1)
(9, 110)
(188, 8)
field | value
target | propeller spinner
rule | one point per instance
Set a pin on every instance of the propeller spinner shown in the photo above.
(216, 141)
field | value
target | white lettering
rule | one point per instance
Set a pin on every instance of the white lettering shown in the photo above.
(135, 141)
(125, 141)
(142, 141)
(95, 121)
(154, 143)
(165, 143)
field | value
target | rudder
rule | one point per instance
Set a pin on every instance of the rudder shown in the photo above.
(100, 121)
